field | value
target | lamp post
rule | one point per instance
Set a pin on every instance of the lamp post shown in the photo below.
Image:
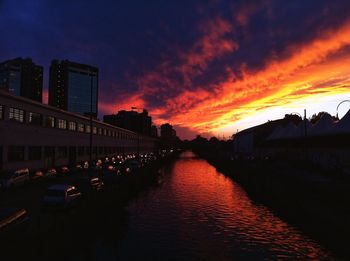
(340, 104)
(91, 87)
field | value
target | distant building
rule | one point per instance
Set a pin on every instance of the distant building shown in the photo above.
(73, 86)
(131, 120)
(167, 131)
(154, 131)
(168, 137)
(22, 77)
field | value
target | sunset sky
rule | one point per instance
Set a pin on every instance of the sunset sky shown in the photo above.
(207, 67)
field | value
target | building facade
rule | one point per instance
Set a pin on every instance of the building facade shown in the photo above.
(74, 87)
(35, 135)
(22, 77)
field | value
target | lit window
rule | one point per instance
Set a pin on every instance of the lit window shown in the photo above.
(62, 124)
(87, 129)
(81, 127)
(104, 132)
(16, 114)
(94, 130)
(72, 126)
(99, 131)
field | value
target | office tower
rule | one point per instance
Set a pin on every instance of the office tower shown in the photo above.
(22, 77)
(73, 87)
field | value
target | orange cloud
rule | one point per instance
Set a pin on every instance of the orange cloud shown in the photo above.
(315, 69)
(281, 82)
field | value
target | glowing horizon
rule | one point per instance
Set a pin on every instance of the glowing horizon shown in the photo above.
(313, 76)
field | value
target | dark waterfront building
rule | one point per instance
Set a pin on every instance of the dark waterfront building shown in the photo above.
(72, 85)
(22, 77)
(167, 131)
(131, 120)
(168, 137)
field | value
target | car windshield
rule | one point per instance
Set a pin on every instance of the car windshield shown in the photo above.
(55, 193)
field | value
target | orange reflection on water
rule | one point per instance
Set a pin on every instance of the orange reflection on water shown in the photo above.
(218, 208)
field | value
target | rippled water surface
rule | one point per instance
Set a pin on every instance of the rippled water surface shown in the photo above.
(198, 213)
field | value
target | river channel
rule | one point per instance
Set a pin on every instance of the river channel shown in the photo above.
(197, 213)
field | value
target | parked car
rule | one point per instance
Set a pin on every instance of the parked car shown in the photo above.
(51, 172)
(14, 178)
(89, 184)
(61, 195)
(64, 170)
(13, 220)
(38, 174)
(77, 168)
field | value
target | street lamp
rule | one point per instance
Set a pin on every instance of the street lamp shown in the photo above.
(340, 104)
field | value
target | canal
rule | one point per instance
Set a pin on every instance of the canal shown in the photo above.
(196, 213)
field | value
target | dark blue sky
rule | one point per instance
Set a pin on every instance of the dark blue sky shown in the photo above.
(154, 51)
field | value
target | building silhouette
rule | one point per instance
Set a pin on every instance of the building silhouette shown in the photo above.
(131, 120)
(167, 131)
(22, 77)
(73, 87)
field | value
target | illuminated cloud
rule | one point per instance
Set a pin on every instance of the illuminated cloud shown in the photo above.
(308, 69)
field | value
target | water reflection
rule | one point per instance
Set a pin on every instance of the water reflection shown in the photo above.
(198, 213)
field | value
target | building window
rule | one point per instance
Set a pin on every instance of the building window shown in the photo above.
(49, 122)
(16, 114)
(15, 153)
(1, 112)
(62, 124)
(81, 127)
(34, 153)
(94, 130)
(72, 126)
(104, 132)
(99, 131)
(87, 129)
(81, 151)
(62, 152)
(35, 118)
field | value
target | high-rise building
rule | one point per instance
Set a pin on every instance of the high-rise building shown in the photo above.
(131, 120)
(22, 77)
(74, 87)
